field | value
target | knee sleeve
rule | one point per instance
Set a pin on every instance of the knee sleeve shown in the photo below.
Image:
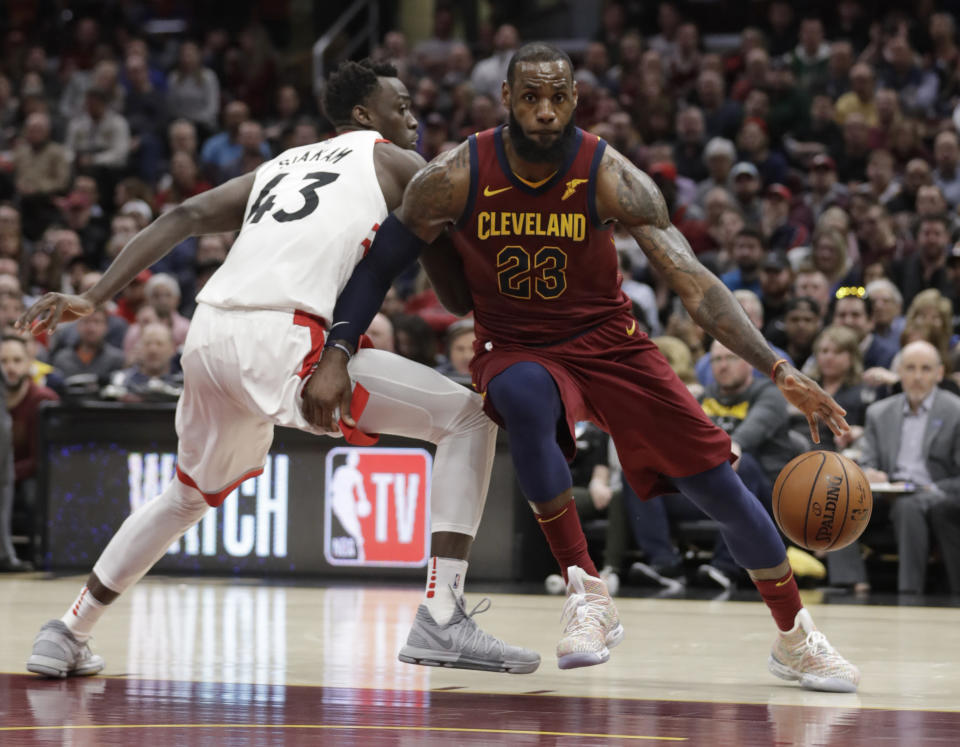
(527, 399)
(147, 533)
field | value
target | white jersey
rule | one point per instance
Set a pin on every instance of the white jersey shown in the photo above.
(311, 214)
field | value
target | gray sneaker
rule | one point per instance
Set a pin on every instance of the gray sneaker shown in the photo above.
(56, 653)
(461, 644)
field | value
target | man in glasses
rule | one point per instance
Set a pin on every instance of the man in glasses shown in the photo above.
(853, 308)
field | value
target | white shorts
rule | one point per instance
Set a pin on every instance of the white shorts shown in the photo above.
(244, 371)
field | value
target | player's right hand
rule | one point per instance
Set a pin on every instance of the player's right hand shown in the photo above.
(51, 309)
(328, 390)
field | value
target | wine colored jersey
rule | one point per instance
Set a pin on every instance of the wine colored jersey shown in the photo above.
(540, 264)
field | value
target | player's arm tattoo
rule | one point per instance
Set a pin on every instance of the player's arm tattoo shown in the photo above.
(629, 196)
(437, 194)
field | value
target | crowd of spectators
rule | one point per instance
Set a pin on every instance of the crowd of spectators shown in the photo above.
(813, 164)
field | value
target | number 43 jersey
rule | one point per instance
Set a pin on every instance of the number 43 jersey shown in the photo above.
(540, 264)
(311, 215)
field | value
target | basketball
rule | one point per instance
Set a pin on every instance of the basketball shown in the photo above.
(822, 501)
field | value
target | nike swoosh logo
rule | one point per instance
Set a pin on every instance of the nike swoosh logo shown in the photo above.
(786, 580)
(632, 328)
(487, 192)
(445, 641)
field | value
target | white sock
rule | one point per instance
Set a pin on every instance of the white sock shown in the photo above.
(444, 573)
(83, 615)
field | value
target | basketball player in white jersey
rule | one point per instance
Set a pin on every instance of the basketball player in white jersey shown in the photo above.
(305, 219)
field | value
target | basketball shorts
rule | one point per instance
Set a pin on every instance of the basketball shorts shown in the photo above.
(621, 382)
(244, 371)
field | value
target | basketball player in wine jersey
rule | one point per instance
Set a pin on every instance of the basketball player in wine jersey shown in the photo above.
(530, 207)
(305, 219)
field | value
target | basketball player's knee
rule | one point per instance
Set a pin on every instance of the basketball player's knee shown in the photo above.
(186, 503)
(525, 396)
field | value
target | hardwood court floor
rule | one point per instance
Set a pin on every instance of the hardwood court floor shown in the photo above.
(213, 662)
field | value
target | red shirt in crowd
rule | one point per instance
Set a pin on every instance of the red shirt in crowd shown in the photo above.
(24, 417)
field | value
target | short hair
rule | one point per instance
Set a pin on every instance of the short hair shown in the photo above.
(885, 284)
(537, 52)
(846, 340)
(8, 337)
(754, 233)
(162, 279)
(350, 85)
(940, 218)
(801, 302)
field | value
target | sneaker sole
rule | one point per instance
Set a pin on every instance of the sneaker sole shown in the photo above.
(583, 659)
(809, 681)
(56, 668)
(428, 658)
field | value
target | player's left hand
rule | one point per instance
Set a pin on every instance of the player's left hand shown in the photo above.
(328, 389)
(51, 309)
(806, 395)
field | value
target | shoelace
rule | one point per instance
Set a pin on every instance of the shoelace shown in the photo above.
(578, 613)
(817, 642)
(472, 635)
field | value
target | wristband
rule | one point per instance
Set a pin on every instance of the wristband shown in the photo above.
(339, 346)
(779, 362)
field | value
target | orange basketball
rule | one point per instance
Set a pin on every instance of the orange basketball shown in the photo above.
(822, 500)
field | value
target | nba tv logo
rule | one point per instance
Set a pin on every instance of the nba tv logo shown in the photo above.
(377, 507)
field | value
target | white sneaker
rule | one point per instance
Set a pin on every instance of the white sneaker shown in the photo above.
(804, 654)
(591, 625)
(56, 653)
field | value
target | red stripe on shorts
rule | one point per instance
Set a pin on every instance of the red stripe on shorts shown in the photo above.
(318, 335)
(352, 434)
(215, 499)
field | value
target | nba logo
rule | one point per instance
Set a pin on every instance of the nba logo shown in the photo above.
(377, 506)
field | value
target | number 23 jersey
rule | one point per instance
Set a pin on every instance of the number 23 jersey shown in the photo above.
(540, 264)
(310, 217)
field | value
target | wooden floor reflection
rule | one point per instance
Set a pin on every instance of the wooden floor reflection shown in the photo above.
(234, 662)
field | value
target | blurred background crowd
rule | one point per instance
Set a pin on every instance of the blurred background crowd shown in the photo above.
(808, 151)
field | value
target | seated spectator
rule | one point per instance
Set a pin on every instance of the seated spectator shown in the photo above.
(745, 186)
(193, 91)
(42, 170)
(460, 338)
(828, 253)
(754, 309)
(210, 254)
(749, 250)
(224, 148)
(678, 356)
(927, 266)
(824, 189)
(415, 340)
(853, 308)
(801, 325)
(156, 376)
(91, 354)
(162, 295)
(23, 401)
(779, 228)
(946, 157)
(99, 138)
(380, 333)
(252, 145)
(185, 182)
(641, 294)
(914, 437)
(887, 317)
(776, 287)
(9, 562)
(719, 155)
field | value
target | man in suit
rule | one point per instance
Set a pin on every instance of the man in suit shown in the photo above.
(914, 437)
